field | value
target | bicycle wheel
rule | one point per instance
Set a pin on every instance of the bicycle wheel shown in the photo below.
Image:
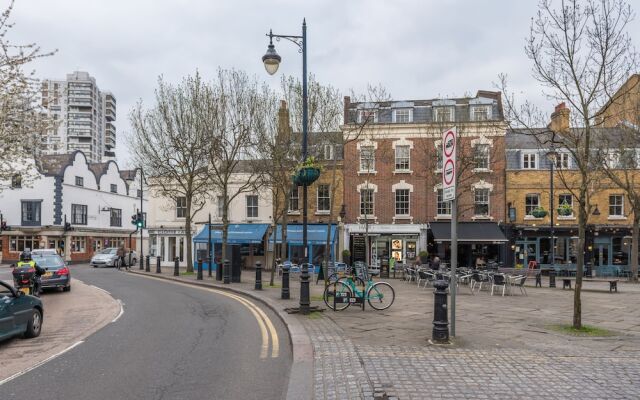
(339, 289)
(381, 295)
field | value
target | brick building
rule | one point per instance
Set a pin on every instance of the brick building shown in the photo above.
(392, 173)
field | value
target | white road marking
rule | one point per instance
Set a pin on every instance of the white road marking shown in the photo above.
(101, 289)
(257, 312)
(121, 311)
(14, 376)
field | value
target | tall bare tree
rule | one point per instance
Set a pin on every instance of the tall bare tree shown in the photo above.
(22, 119)
(240, 110)
(170, 142)
(581, 54)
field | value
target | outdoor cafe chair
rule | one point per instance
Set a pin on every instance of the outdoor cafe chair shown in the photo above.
(518, 281)
(425, 276)
(499, 280)
(477, 279)
(408, 274)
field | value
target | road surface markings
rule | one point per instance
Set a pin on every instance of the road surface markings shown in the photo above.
(121, 311)
(46, 360)
(267, 329)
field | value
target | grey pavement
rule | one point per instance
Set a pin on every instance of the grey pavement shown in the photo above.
(505, 348)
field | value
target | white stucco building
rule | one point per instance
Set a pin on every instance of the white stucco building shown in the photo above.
(96, 199)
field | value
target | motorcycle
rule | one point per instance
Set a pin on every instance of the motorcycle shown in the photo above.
(25, 280)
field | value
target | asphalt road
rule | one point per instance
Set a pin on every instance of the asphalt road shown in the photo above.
(172, 342)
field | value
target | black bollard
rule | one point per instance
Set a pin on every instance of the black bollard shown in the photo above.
(539, 279)
(284, 294)
(199, 277)
(440, 332)
(147, 260)
(219, 271)
(176, 266)
(209, 265)
(258, 275)
(552, 278)
(158, 269)
(304, 289)
(148, 267)
(226, 270)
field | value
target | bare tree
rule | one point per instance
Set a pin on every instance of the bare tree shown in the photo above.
(581, 54)
(240, 112)
(22, 119)
(170, 142)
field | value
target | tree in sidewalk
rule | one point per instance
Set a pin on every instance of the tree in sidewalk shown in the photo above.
(170, 142)
(581, 54)
(240, 109)
(22, 119)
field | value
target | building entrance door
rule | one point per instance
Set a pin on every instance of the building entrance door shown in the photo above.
(602, 254)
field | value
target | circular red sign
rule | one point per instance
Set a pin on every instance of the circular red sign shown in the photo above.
(448, 177)
(448, 150)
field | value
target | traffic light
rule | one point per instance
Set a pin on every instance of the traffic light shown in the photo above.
(67, 226)
(139, 220)
(134, 219)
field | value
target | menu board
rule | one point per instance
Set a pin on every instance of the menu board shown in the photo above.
(359, 248)
(411, 250)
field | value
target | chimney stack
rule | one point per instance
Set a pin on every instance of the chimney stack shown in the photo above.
(560, 119)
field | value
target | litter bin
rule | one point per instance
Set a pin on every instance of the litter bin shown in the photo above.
(552, 278)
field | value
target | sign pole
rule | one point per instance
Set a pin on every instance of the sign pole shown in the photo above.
(454, 263)
(449, 180)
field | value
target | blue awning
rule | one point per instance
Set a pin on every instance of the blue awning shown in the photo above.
(237, 234)
(316, 234)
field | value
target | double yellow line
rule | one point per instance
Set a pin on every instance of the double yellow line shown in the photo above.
(267, 330)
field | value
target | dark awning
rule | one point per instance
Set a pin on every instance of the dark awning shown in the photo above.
(316, 234)
(468, 232)
(237, 234)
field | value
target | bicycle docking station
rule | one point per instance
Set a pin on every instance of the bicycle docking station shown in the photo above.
(345, 297)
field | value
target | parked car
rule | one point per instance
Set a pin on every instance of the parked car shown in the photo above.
(20, 314)
(109, 258)
(58, 274)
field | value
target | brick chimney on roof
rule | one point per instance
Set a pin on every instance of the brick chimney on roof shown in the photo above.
(284, 127)
(347, 104)
(560, 119)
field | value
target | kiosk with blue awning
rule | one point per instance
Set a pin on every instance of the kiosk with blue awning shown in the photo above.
(316, 240)
(249, 236)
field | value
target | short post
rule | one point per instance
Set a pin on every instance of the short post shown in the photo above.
(148, 266)
(258, 275)
(176, 266)
(304, 289)
(539, 279)
(158, 269)
(209, 265)
(199, 277)
(226, 270)
(219, 269)
(552, 278)
(284, 293)
(440, 332)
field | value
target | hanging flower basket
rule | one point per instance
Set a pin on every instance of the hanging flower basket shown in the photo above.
(565, 210)
(306, 176)
(539, 212)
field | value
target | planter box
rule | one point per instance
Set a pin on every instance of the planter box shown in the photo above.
(539, 213)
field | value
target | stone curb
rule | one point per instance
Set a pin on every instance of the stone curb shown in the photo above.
(300, 385)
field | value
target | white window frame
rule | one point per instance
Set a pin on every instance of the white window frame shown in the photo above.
(570, 203)
(488, 202)
(371, 164)
(372, 202)
(528, 208)
(621, 206)
(408, 158)
(220, 205)
(295, 194)
(528, 159)
(180, 207)
(487, 156)
(408, 202)
(405, 119)
(363, 115)
(327, 198)
(480, 110)
(442, 205)
(252, 206)
(329, 151)
(562, 161)
(439, 111)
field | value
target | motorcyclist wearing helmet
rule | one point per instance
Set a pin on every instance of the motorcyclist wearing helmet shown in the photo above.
(27, 262)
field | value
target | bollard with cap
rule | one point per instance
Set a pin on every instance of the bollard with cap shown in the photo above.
(284, 293)
(158, 269)
(148, 266)
(304, 290)
(440, 333)
(258, 275)
(176, 266)
(226, 270)
(199, 277)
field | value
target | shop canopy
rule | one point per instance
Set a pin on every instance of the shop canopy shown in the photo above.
(468, 232)
(237, 234)
(316, 234)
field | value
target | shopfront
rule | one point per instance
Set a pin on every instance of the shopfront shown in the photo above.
(168, 244)
(247, 238)
(400, 242)
(316, 240)
(477, 241)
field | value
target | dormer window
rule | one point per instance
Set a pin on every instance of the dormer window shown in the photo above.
(328, 151)
(480, 113)
(402, 115)
(367, 116)
(529, 161)
(444, 114)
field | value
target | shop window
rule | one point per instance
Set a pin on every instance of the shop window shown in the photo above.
(402, 201)
(21, 243)
(402, 158)
(181, 207)
(78, 244)
(531, 202)
(366, 202)
(444, 207)
(78, 214)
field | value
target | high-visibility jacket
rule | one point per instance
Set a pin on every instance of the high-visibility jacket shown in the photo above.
(31, 264)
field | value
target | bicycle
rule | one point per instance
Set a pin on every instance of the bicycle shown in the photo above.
(379, 295)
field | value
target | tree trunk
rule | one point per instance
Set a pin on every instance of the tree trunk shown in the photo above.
(274, 264)
(225, 231)
(187, 232)
(327, 248)
(634, 246)
(283, 245)
(582, 225)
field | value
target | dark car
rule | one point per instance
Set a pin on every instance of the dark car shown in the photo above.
(20, 314)
(58, 274)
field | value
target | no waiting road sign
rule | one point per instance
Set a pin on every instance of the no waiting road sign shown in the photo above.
(449, 164)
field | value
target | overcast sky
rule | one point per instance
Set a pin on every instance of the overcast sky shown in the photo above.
(417, 49)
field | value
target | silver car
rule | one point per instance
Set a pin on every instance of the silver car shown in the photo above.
(109, 258)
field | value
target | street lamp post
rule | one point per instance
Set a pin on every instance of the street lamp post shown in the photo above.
(271, 61)
(552, 154)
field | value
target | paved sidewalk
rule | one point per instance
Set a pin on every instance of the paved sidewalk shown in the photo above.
(505, 348)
